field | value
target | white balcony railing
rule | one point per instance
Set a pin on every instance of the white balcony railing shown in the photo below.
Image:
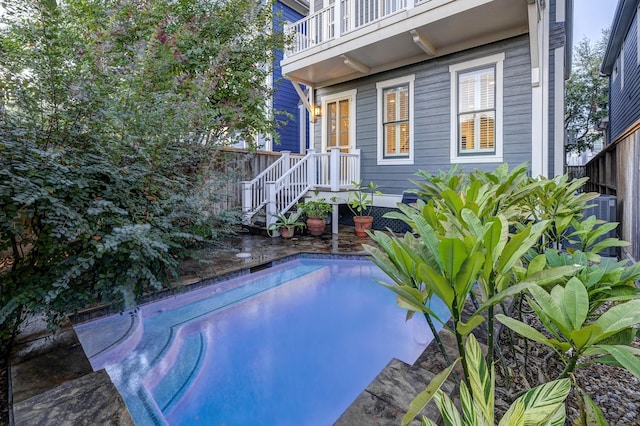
(340, 18)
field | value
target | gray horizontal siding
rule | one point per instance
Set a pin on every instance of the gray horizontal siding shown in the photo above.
(432, 112)
(624, 102)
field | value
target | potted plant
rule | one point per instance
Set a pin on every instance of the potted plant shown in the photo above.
(316, 212)
(286, 224)
(360, 202)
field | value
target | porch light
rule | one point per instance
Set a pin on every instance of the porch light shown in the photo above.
(317, 111)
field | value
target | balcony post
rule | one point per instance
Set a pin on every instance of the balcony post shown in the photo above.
(355, 165)
(334, 169)
(337, 18)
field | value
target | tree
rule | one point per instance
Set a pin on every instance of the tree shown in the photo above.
(112, 116)
(586, 100)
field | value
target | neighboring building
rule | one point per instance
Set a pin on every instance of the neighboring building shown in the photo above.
(425, 84)
(615, 170)
(293, 135)
(289, 111)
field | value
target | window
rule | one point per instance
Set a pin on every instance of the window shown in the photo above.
(395, 121)
(476, 112)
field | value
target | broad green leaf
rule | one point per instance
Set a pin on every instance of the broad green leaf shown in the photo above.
(411, 296)
(437, 283)
(536, 265)
(465, 328)
(585, 336)
(542, 402)
(480, 379)
(576, 302)
(552, 275)
(423, 398)
(467, 276)
(448, 410)
(523, 329)
(555, 313)
(625, 357)
(514, 415)
(467, 406)
(619, 317)
(496, 238)
(453, 254)
(427, 422)
(590, 413)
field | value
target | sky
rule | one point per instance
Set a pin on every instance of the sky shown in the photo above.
(590, 17)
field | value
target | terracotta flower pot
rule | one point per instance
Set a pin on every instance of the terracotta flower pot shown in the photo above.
(362, 225)
(287, 232)
(315, 226)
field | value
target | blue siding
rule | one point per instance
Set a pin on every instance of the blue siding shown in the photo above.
(285, 97)
(432, 112)
(624, 102)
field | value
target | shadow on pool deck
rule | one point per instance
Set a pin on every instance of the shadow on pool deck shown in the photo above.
(52, 381)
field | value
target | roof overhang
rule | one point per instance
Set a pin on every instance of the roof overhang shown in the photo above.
(622, 20)
(428, 30)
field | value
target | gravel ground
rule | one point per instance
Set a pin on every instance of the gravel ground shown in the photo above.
(614, 390)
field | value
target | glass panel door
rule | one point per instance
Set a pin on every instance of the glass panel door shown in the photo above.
(338, 123)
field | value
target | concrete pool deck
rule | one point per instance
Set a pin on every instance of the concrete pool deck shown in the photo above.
(52, 381)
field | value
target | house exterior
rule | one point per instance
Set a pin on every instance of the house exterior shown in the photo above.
(293, 132)
(424, 84)
(615, 170)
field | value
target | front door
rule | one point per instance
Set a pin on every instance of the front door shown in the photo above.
(338, 128)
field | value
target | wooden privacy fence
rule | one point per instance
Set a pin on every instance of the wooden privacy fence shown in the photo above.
(232, 166)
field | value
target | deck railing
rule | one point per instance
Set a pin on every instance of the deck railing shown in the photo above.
(340, 18)
(281, 186)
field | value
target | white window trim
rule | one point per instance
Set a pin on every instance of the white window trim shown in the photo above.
(622, 65)
(496, 60)
(351, 95)
(380, 86)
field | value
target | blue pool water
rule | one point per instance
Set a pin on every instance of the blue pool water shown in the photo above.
(291, 345)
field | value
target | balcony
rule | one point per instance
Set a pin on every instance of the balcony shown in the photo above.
(353, 38)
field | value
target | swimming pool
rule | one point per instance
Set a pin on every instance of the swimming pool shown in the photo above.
(294, 344)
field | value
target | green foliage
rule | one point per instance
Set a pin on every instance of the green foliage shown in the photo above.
(361, 199)
(112, 116)
(542, 405)
(315, 208)
(586, 99)
(488, 236)
(284, 220)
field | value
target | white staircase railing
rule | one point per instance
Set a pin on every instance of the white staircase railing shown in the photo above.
(278, 193)
(254, 196)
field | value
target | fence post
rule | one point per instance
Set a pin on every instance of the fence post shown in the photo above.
(334, 169)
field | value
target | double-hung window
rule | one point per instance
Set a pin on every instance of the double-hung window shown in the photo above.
(476, 113)
(395, 116)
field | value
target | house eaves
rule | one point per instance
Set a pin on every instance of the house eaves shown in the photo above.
(621, 22)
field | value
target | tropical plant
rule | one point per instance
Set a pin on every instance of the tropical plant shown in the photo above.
(318, 208)
(589, 234)
(284, 220)
(361, 198)
(542, 405)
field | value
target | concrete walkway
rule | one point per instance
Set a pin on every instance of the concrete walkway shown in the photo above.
(53, 383)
